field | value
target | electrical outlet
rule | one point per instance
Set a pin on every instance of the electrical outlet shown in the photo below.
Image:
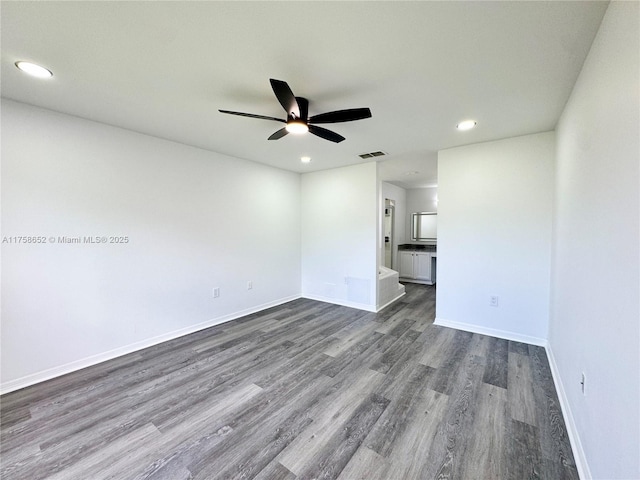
(249, 285)
(583, 380)
(493, 300)
(216, 292)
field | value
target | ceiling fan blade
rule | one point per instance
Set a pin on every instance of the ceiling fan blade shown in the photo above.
(286, 97)
(279, 134)
(326, 134)
(341, 116)
(251, 115)
(303, 105)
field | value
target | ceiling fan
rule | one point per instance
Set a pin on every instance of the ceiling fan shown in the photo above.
(298, 120)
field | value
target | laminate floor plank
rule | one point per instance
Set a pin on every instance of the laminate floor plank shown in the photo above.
(396, 418)
(349, 339)
(396, 377)
(275, 471)
(257, 322)
(524, 446)
(519, 347)
(496, 370)
(417, 294)
(520, 389)
(370, 349)
(93, 438)
(323, 328)
(306, 359)
(282, 321)
(263, 429)
(446, 457)
(395, 352)
(393, 322)
(437, 341)
(354, 353)
(401, 328)
(423, 319)
(364, 321)
(298, 391)
(454, 361)
(365, 464)
(419, 309)
(424, 413)
(221, 343)
(169, 462)
(480, 346)
(327, 419)
(262, 445)
(104, 460)
(336, 453)
(485, 448)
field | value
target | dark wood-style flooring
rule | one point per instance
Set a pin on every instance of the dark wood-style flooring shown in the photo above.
(306, 390)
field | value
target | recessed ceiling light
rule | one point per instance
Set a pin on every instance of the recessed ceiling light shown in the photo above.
(466, 125)
(411, 173)
(305, 159)
(34, 70)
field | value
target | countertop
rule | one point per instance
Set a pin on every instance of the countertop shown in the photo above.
(410, 247)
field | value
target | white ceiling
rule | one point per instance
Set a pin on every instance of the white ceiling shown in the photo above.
(165, 68)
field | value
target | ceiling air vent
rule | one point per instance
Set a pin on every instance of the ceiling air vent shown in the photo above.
(379, 153)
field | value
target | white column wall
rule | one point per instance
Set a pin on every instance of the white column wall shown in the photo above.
(340, 219)
(494, 236)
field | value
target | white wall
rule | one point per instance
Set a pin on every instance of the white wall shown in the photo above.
(194, 219)
(422, 199)
(399, 196)
(595, 313)
(340, 219)
(494, 236)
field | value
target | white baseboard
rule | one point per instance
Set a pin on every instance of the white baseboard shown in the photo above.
(344, 303)
(576, 445)
(50, 373)
(492, 332)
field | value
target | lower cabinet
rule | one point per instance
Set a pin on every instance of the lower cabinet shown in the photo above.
(416, 266)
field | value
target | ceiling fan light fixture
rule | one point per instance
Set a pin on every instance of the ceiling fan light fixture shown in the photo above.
(466, 125)
(297, 127)
(33, 69)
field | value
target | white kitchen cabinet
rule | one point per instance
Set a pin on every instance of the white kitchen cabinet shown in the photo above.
(416, 266)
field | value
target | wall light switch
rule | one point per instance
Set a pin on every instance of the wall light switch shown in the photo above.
(493, 300)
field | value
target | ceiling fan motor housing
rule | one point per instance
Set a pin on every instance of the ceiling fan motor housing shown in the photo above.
(303, 105)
